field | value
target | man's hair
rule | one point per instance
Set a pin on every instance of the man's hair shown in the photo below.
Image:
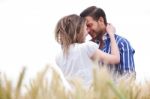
(95, 13)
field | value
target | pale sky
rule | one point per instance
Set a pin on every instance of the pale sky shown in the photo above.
(27, 31)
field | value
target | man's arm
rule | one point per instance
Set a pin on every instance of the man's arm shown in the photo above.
(126, 57)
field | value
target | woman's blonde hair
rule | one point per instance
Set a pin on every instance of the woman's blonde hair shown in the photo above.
(69, 30)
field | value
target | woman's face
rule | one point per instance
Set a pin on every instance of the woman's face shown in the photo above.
(85, 30)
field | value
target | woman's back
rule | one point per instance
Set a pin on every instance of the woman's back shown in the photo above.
(78, 63)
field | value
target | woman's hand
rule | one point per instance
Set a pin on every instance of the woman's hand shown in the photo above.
(110, 29)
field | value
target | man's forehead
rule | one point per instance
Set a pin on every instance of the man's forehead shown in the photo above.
(88, 22)
(89, 19)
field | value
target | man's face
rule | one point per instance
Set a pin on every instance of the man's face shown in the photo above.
(93, 27)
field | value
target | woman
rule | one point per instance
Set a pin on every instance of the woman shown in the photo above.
(76, 58)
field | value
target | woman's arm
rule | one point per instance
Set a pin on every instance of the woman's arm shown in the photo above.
(112, 58)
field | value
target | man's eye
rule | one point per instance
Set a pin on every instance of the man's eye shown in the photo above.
(89, 25)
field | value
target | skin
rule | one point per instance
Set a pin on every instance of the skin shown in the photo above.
(112, 58)
(95, 27)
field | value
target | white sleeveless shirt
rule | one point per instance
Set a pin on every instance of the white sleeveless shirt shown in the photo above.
(78, 62)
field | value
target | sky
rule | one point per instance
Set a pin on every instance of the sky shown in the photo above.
(27, 31)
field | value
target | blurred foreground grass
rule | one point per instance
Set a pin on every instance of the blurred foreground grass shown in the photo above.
(102, 87)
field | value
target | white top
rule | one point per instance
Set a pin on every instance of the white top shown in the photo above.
(78, 62)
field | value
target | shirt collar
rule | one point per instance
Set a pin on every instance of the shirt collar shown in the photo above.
(105, 36)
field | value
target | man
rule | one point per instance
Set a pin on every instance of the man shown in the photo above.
(96, 24)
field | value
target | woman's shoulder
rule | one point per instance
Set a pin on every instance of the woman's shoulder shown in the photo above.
(89, 47)
(89, 44)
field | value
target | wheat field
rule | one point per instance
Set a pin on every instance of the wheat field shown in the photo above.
(102, 87)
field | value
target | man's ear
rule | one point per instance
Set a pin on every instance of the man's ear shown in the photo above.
(101, 19)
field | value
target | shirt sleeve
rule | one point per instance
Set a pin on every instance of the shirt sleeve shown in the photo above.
(90, 48)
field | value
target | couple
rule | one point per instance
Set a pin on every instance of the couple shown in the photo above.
(77, 56)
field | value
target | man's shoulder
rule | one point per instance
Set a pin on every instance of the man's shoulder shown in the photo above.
(123, 43)
(121, 39)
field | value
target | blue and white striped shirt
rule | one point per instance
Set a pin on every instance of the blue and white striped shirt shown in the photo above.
(126, 65)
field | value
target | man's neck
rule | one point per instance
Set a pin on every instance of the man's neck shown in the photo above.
(99, 36)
